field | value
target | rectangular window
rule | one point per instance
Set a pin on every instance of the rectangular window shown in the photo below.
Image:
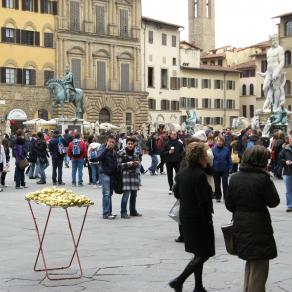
(152, 104)
(100, 20)
(48, 75)
(174, 105)
(124, 22)
(206, 103)
(165, 105)
(184, 82)
(251, 111)
(230, 104)
(74, 16)
(218, 103)
(183, 102)
(220, 62)
(244, 111)
(164, 77)
(76, 70)
(101, 76)
(9, 36)
(173, 61)
(49, 7)
(10, 75)
(230, 85)
(164, 39)
(150, 77)
(125, 77)
(206, 83)
(9, 4)
(195, 8)
(29, 77)
(193, 83)
(27, 5)
(174, 83)
(150, 37)
(173, 41)
(218, 84)
(191, 103)
(48, 40)
(218, 121)
(208, 121)
(29, 37)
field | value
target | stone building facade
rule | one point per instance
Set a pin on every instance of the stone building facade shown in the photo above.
(27, 60)
(202, 23)
(100, 41)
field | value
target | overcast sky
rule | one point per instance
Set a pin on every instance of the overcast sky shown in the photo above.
(239, 23)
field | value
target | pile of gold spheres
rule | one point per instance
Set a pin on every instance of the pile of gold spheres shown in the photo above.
(58, 197)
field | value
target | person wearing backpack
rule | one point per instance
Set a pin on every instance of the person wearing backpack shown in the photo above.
(19, 153)
(93, 161)
(58, 151)
(42, 157)
(77, 152)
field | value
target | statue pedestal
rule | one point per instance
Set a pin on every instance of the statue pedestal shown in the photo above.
(71, 124)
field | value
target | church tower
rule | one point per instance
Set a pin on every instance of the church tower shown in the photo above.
(202, 24)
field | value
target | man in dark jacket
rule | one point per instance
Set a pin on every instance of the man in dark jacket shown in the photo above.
(153, 152)
(172, 151)
(250, 193)
(42, 157)
(57, 150)
(107, 157)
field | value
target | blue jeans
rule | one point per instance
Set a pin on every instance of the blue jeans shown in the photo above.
(66, 160)
(107, 192)
(41, 168)
(288, 184)
(154, 163)
(95, 172)
(124, 202)
(77, 164)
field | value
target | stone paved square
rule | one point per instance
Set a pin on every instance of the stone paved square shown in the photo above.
(136, 255)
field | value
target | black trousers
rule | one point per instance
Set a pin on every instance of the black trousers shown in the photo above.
(3, 175)
(57, 164)
(160, 166)
(19, 176)
(133, 198)
(218, 177)
(89, 173)
(170, 166)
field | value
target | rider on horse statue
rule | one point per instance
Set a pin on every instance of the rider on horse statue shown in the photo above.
(68, 83)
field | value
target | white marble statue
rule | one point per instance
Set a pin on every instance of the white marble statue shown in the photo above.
(275, 80)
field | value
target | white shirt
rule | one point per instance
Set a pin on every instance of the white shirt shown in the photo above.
(2, 156)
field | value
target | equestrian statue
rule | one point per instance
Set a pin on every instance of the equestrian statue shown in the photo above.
(64, 91)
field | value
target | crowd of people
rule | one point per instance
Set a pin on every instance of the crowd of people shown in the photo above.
(207, 165)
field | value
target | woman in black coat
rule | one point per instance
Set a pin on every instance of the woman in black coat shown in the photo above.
(250, 193)
(196, 210)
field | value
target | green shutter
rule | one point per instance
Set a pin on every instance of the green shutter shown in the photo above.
(124, 22)
(100, 20)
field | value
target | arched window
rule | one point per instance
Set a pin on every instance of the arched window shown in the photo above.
(43, 114)
(243, 90)
(251, 89)
(288, 28)
(104, 116)
(288, 88)
(287, 58)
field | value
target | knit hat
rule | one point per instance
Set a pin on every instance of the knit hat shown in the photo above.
(201, 135)
(56, 132)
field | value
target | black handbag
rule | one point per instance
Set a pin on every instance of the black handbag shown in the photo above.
(227, 231)
(118, 182)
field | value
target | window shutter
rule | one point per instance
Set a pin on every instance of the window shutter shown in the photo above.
(209, 103)
(19, 76)
(74, 16)
(43, 3)
(17, 36)
(124, 22)
(209, 83)
(4, 3)
(100, 20)
(76, 70)
(23, 37)
(36, 6)
(101, 76)
(55, 7)
(3, 36)
(2, 75)
(32, 77)
(36, 38)
(16, 4)
(125, 78)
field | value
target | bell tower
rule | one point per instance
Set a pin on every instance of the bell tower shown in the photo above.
(202, 24)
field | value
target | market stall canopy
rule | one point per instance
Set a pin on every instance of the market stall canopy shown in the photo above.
(51, 122)
(34, 122)
(108, 126)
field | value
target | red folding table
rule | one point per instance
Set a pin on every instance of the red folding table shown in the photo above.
(41, 241)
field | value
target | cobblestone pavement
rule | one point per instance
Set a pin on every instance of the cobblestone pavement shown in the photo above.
(136, 255)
